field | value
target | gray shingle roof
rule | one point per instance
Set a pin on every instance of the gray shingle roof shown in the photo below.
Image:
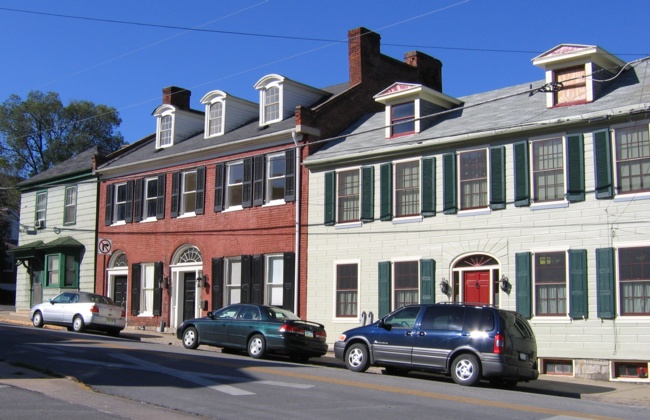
(82, 162)
(491, 114)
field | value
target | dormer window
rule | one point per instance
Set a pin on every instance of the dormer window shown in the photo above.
(271, 104)
(402, 119)
(408, 107)
(165, 134)
(574, 86)
(215, 119)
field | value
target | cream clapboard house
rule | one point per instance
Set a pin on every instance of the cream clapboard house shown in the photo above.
(533, 198)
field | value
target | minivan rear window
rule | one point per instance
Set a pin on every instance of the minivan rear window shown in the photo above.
(479, 319)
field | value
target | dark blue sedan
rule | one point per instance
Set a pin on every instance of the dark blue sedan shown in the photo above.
(258, 329)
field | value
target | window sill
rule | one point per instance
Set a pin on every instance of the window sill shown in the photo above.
(149, 220)
(474, 212)
(274, 203)
(632, 197)
(348, 225)
(409, 219)
(145, 315)
(186, 215)
(233, 208)
(119, 223)
(549, 205)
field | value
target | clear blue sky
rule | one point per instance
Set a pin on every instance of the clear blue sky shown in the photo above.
(483, 44)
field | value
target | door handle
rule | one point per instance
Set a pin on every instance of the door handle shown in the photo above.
(409, 333)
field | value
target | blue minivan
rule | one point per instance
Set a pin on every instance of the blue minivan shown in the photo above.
(465, 341)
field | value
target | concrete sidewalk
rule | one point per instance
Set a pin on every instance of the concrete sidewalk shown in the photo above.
(625, 393)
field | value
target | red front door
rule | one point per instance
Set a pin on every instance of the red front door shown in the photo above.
(476, 286)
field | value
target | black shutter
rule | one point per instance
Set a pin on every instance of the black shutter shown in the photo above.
(386, 192)
(498, 178)
(523, 283)
(330, 198)
(289, 267)
(578, 308)
(384, 288)
(427, 281)
(247, 183)
(450, 205)
(137, 200)
(108, 215)
(605, 283)
(258, 180)
(157, 290)
(176, 185)
(217, 283)
(429, 187)
(603, 165)
(135, 288)
(128, 218)
(367, 194)
(576, 170)
(245, 279)
(257, 279)
(290, 176)
(218, 187)
(160, 199)
(200, 190)
(522, 184)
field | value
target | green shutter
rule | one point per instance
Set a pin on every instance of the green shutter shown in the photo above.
(522, 184)
(578, 305)
(367, 194)
(384, 288)
(386, 192)
(524, 283)
(135, 288)
(258, 180)
(128, 214)
(175, 205)
(498, 178)
(427, 281)
(449, 205)
(246, 279)
(603, 165)
(290, 176)
(247, 184)
(289, 271)
(160, 197)
(200, 190)
(330, 198)
(108, 215)
(429, 187)
(137, 199)
(576, 170)
(605, 283)
(217, 283)
(219, 180)
(157, 290)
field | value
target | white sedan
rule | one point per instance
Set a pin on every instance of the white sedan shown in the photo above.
(79, 311)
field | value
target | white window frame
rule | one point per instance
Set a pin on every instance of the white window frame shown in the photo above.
(232, 286)
(147, 199)
(228, 204)
(165, 141)
(269, 178)
(273, 272)
(459, 181)
(550, 318)
(70, 205)
(562, 201)
(117, 203)
(623, 196)
(41, 206)
(357, 169)
(188, 196)
(620, 318)
(335, 289)
(147, 278)
(418, 213)
(218, 120)
(277, 106)
(393, 264)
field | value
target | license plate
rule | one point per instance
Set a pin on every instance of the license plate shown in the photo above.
(110, 321)
(309, 334)
(523, 357)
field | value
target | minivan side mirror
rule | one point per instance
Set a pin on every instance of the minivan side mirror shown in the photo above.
(385, 326)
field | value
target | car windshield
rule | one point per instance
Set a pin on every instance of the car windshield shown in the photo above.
(403, 318)
(278, 313)
(101, 299)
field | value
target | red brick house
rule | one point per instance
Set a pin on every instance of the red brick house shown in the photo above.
(210, 209)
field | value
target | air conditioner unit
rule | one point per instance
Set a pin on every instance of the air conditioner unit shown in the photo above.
(40, 224)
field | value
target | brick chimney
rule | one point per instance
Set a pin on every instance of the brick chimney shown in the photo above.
(178, 97)
(363, 52)
(429, 69)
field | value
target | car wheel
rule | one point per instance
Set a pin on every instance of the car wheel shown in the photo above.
(466, 370)
(190, 338)
(37, 320)
(257, 346)
(356, 358)
(78, 324)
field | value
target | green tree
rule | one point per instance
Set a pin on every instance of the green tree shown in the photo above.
(39, 132)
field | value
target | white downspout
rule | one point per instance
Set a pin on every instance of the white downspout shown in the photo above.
(297, 240)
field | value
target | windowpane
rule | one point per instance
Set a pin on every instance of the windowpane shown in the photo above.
(120, 202)
(189, 192)
(406, 283)
(633, 159)
(348, 196)
(400, 116)
(574, 86)
(52, 270)
(550, 283)
(634, 276)
(166, 130)
(235, 184)
(407, 188)
(41, 205)
(70, 205)
(346, 290)
(275, 172)
(147, 286)
(70, 271)
(216, 113)
(274, 281)
(473, 179)
(272, 104)
(548, 170)
(151, 197)
(233, 281)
